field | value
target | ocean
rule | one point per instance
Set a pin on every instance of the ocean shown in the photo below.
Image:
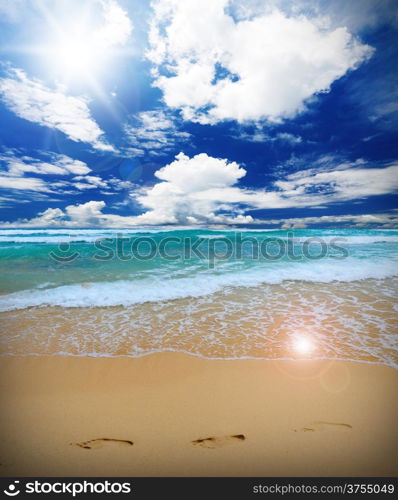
(229, 294)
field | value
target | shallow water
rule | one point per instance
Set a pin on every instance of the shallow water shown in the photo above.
(329, 307)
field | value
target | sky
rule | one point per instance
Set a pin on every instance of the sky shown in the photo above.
(209, 113)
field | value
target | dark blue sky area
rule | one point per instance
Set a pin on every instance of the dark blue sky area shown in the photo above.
(98, 129)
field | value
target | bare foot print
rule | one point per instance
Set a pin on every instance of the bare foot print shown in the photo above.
(218, 442)
(94, 444)
(325, 426)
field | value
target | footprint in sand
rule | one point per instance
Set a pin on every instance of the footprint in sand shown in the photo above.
(94, 444)
(324, 426)
(219, 442)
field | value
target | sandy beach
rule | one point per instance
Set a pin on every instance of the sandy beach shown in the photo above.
(172, 414)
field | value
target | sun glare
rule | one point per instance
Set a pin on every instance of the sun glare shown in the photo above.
(79, 48)
(303, 345)
(77, 58)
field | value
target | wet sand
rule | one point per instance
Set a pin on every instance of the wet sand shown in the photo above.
(356, 321)
(172, 414)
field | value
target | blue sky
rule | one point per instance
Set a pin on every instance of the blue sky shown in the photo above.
(125, 113)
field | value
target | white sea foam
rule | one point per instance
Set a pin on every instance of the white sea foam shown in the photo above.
(56, 236)
(205, 282)
(263, 322)
(351, 239)
(50, 239)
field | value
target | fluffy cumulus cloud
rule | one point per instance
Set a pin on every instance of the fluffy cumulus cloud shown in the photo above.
(154, 132)
(78, 215)
(214, 66)
(205, 190)
(185, 194)
(32, 100)
(85, 214)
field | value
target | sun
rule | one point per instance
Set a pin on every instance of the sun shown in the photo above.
(82, 44)
(77, 58)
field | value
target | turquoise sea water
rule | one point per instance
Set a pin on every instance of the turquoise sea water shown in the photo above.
(213, 293)
(55, 267)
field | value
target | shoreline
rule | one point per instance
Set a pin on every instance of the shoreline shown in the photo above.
(354, 322)
(293, 359)
(188, 416)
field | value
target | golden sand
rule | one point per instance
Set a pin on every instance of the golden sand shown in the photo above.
(172, 414)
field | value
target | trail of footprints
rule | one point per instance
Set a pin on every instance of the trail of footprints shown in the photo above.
(213, 442)
(209, 442)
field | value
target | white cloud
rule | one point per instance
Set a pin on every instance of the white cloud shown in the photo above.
(386, 220)
(258, 135)
(90, 182)
(341, 184)
(215, 68)
(91, 214)
(79, 215)
(32, 100)
(74, 215)
(85, 213)
(183, 192)
(154, 132)
(23, 183)
(81, 186)
(57, 165)
(117, 26)
(107, 186)
(200, 172)
(16, 165)
(286, 136)
(203, 190)
(9, 201)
